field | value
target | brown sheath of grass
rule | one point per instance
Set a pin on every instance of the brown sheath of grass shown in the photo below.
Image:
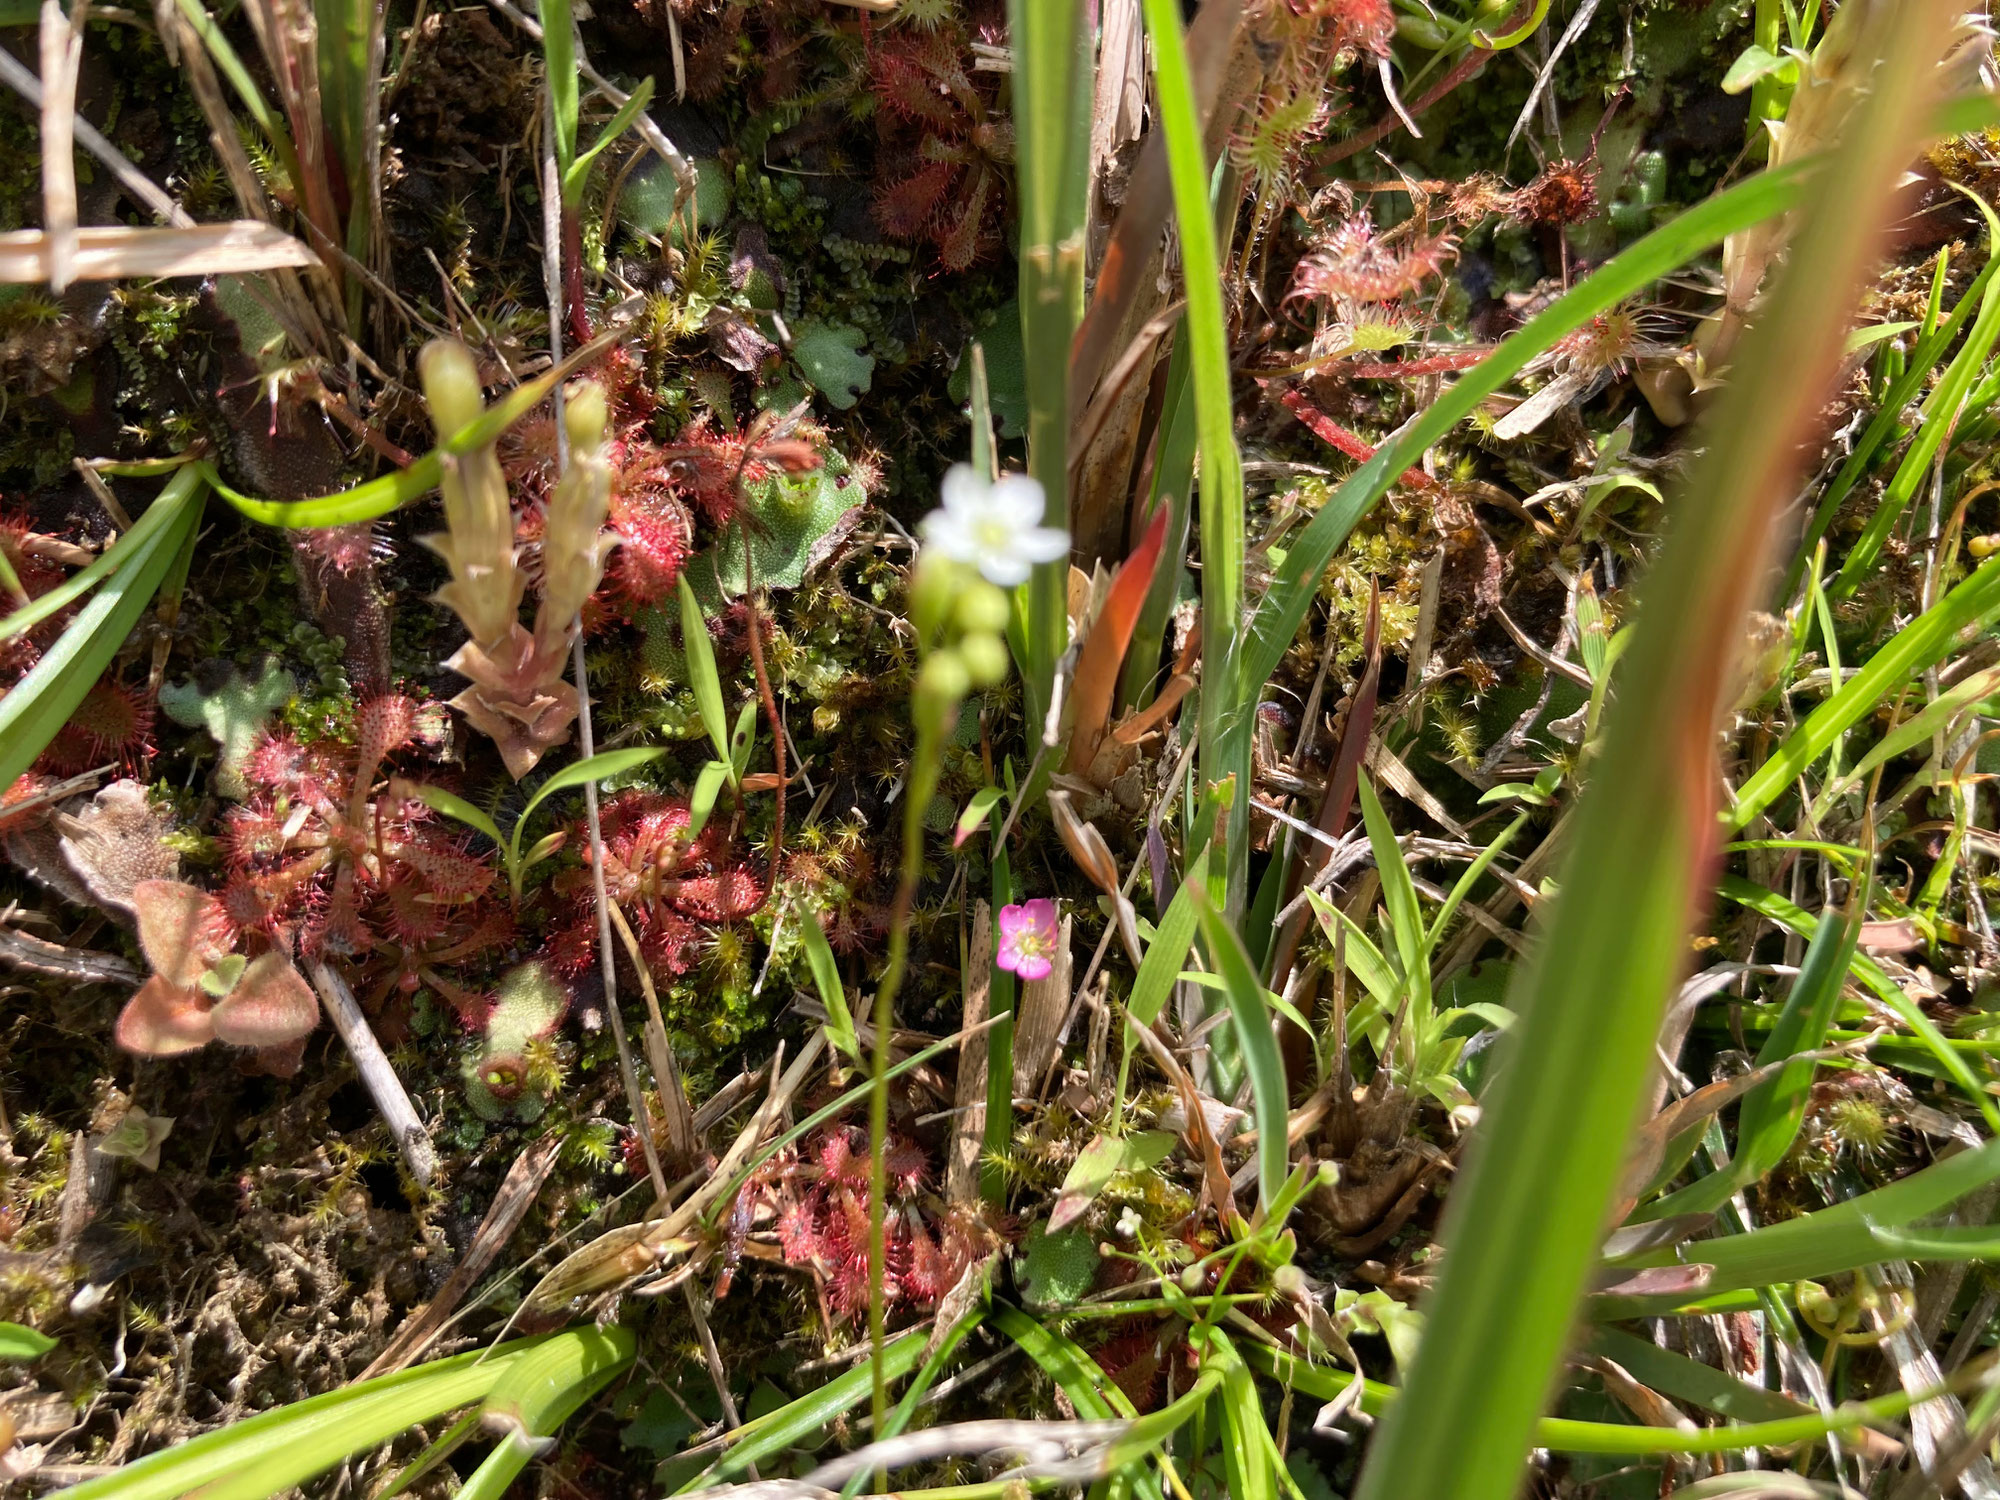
(113, 251)
(1528, 1210)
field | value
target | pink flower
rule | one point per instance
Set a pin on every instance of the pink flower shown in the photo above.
(1028, 939)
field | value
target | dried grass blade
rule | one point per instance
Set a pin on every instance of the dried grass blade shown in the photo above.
(111, 252)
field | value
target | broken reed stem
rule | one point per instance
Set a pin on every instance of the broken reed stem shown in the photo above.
(372, 1063)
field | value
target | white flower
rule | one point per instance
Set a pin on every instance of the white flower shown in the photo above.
(993, 525)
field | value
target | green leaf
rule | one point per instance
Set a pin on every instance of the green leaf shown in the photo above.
(1943, 409)
(702, 676)
(829, 356)
(36, 708)
(578, 172)
(1787, 913)
(743, 739)
(1768, 1119)
(378, 497)
(977, 807)
(1399, 894)
(278, 1449)
(21, 1343)
(437, 799)
(119, 554)
(1753, 63)
(598, 768)
(559, 67)
(801, 1421)
(1169, 949)
(542, 848)
(1228, 695)
(1270, 1096)
(832, 994)
(1104, 1158)
(708, 785)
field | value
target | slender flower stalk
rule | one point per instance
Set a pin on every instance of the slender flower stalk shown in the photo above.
(958, 615)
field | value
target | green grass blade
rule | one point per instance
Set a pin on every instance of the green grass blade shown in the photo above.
(578, 173)
(540, 1393)
(1901, 391)
(560, 73)
(810, 1415)
(1926, 640)
(437, 799)
(1785, 912)
(832, 994)
(699, 652)
(283, 1446)
(87, 578)
(1167, 954)
(1052, 84)
(1399, 895)
(1767, 1121)
(597, 768)
(1632, 1440)
(1469, 879)
(1257, 1045)
(1226, 699)
(1941, 413)
(37, 707)
(1526, 1212)
(378, 497)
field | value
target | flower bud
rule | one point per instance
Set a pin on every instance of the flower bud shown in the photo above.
(934, 584)
(943, 680)
(981, 607)
(985, 658)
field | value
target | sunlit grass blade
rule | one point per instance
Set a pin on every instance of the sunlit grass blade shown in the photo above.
(1283, 607)
(699, 652)
(1257, 1045)
(803, 1419)
(1527, 1209)
(1633, 1440)
(1922, 643)
(1787, 913)
(117, 555)
(1226, 699)
(277, 1449)
(1052, 86)
(1900, 392)
(1942, 410)
(37, 707)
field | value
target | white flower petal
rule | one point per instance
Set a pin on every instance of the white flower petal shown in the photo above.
(1006, 571)
(951, 535)
(1020, 499)
(964, 489)
(1042, 544)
